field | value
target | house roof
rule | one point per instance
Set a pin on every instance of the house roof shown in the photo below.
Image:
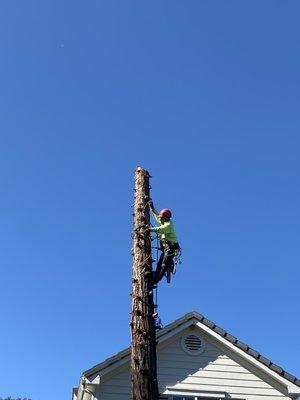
(189, 317)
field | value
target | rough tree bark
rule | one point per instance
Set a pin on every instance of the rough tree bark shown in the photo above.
(143, 347)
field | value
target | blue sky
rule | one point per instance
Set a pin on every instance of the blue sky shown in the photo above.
(205, 95)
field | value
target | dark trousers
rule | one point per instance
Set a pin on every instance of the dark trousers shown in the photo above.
(166, 259)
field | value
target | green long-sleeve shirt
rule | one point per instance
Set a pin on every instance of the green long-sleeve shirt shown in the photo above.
(165, 230)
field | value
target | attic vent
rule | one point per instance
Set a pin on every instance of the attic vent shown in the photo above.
(193, 344)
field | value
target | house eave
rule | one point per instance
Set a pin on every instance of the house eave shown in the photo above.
(193, 318)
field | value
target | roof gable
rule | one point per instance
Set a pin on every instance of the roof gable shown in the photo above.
(219, 334)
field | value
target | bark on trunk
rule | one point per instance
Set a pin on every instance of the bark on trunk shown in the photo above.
(143, 347)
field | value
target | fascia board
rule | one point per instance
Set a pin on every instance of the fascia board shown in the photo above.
(115, 365)
(292, 389)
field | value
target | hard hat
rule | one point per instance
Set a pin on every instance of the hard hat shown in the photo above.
(165, 213)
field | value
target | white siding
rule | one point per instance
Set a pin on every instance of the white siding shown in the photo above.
(212, 371)
(116, 388)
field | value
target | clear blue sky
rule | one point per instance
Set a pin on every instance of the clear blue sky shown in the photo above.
(205, 95)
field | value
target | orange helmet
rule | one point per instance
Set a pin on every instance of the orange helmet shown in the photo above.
(165, 213)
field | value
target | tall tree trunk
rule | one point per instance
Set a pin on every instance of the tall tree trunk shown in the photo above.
(143, 347)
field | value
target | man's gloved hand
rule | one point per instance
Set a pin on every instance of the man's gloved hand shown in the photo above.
(151, 204)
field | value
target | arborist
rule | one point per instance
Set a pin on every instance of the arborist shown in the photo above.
(168, 241)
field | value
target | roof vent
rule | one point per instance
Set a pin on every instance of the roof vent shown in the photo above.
(193, 344)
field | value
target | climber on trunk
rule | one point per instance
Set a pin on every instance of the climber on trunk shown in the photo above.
(168, 241)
